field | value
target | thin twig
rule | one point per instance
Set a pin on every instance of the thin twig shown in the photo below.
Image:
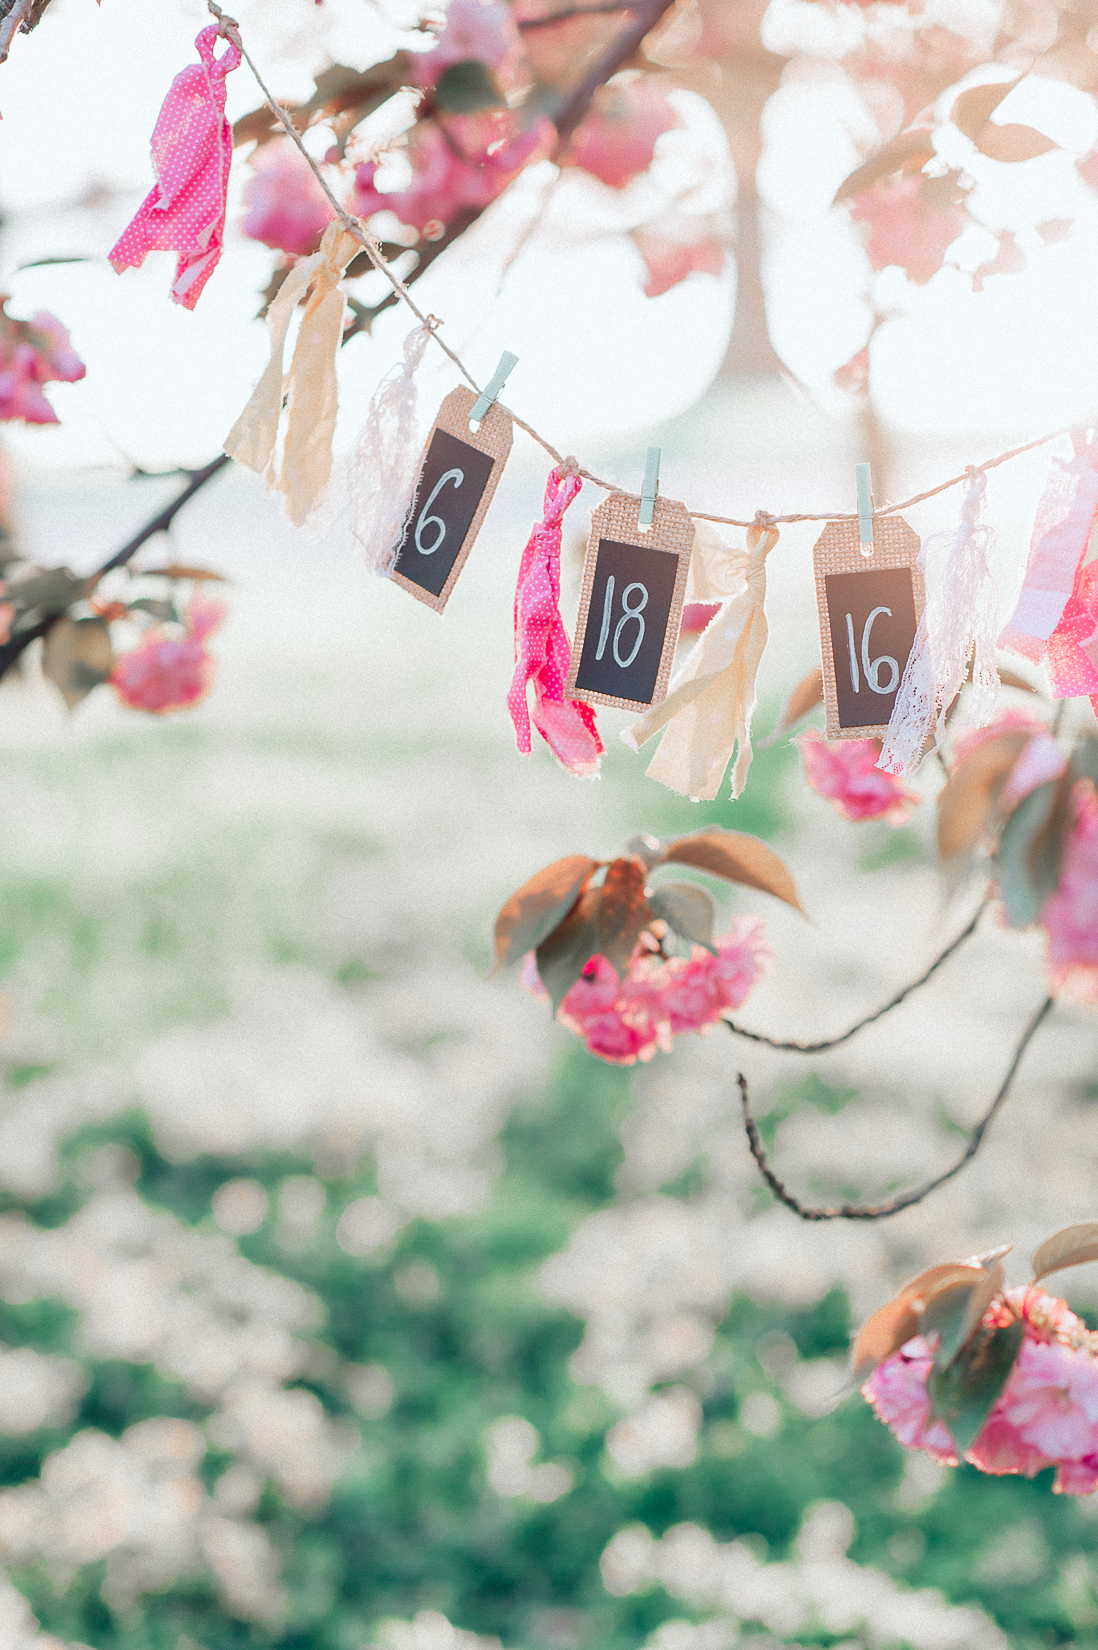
(10, 25)
(17, 644)
(877, 1014)
(906, 1200)
(645, 15)
(524, 25)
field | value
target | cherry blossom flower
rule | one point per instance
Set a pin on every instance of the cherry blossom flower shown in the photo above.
(670, 261)
(33, 353)
(474, 29)
(446, 179)
(624, 1020)
(907, 228)
(1045, 1416)
(845, 772)
(617, 139)
(284, 206)
(1070, 915)
(165, 673)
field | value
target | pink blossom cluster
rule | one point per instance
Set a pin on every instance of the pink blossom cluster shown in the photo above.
(1045, 1416)
(284, 205)
(33, 353)
(465, 163)
(845, 771)
(164, 672)
(624, 1020)
(906, 228)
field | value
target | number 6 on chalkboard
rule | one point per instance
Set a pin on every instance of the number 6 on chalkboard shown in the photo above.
(633, 586)
(457, 478)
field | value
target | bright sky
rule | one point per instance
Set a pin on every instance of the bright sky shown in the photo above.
(79, 99)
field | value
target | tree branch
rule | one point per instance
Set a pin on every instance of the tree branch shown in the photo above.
(877, 1014)
(11, 650)
(906, 1200)
(645, 15)
(527, 23)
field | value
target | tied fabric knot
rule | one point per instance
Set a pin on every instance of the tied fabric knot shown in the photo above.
(707, 714)
(958, 623)
(309, 388)
(192, 149)
(543, 652)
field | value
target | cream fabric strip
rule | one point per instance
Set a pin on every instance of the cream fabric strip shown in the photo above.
(709, 708)
(309, 388)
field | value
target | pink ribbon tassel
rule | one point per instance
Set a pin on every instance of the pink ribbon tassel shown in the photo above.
(192, 147)
(1065, 516)
(543, 652)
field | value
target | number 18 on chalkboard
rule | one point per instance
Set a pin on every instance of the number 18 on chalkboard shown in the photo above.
(633, 585)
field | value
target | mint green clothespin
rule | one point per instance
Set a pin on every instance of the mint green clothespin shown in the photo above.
(480, 406)
(864, 487)
(649, 489)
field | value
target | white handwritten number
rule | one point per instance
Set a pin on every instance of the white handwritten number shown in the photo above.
(853, 656)
(628, 612)
(607, 609)
(457, 477)
(872, 667)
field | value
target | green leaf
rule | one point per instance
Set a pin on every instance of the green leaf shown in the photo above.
(1084, 761)
(957, 1310)
(467, 87)
(1025, 885)
(964, 1393)
(564, 954)
(77, 656)
(687, 908)
(535, 909)
(156, 609)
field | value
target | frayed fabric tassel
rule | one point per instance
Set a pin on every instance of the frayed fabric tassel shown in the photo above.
(708, 712)
(377, 481)
(1061, 533)
(309, 388)
(543, 652)
(958, 623)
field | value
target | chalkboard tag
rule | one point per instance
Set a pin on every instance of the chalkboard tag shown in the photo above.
(634, 581)
(457, 478)
(870, 600)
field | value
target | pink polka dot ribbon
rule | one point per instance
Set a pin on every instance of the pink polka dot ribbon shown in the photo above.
(543, 652)
(192, 146)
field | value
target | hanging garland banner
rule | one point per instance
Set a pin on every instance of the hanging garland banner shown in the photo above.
(634, 583)
(457, 479)
(870, 605)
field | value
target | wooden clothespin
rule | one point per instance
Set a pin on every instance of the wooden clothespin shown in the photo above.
(649, 489)
(480, 406)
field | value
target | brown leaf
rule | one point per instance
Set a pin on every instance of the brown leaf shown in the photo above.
(175, 571)
(1069, 1247)
(77, 656)
(736, 857)
(802, 699)
(894, 1324)
(623, 912)
(908, 152)
(967, 801)
(890, 1327)
(973, 109)
(564, 954)
(535, 909)
(1013, 143)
